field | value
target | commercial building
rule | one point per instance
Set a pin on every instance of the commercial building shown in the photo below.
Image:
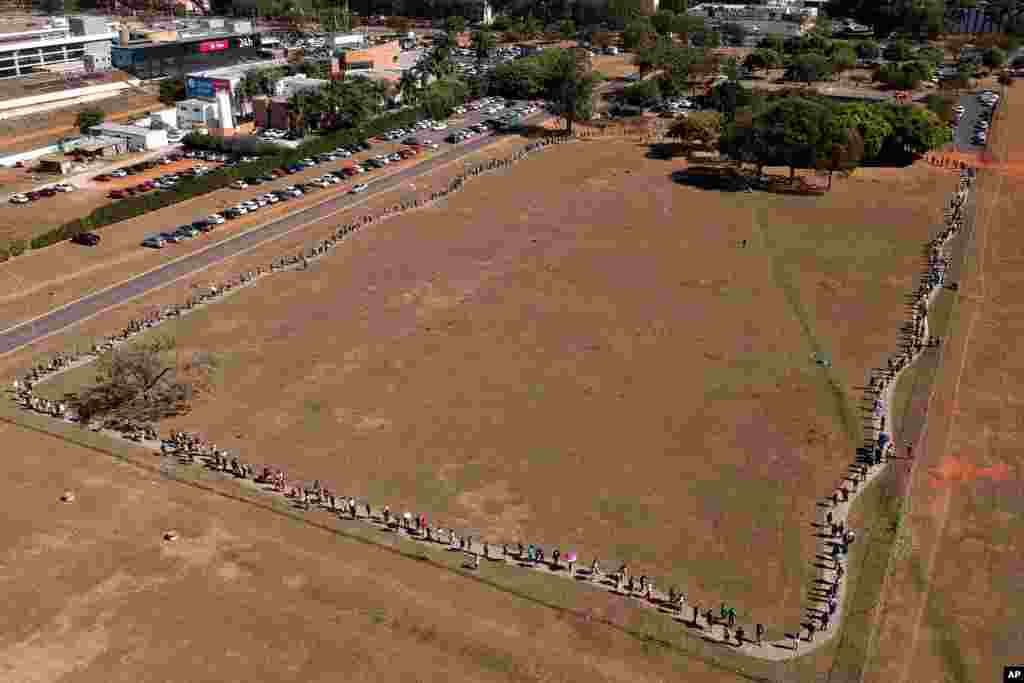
(372, 58)
(153, 59)
(66, 41)
(286, 87)
(271, 112)
(214, 98)
(136, 138)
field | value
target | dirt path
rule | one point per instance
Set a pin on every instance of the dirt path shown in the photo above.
(713, 631)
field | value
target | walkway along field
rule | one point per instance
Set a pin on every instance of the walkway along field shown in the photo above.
(717, 625)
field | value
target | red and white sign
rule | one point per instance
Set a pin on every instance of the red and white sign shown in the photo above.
(213, 46)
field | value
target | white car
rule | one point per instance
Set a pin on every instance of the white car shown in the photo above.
(64, 187)
(240, 185)
(361, 187)
(19, 199)
(215, 219)
(118, 173)
(271, 198)
(439, 126)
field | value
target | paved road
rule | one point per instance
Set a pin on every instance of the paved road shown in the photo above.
(964, 134)
(25, 333)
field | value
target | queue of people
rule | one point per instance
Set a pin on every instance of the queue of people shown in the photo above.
(318, 495)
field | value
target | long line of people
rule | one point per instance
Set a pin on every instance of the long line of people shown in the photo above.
(721, 627)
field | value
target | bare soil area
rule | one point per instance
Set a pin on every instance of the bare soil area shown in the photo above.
(952, 605)
(248, 593)
(606, 370)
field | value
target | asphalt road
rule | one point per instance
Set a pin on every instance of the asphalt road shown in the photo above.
(21, 334)
(964, 133)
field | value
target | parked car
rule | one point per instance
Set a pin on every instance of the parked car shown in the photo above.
(215, 219)
(154, 242)
(87, 239)
(102, 177)
(361, 187)
(118, 173)
(64, 187)
(19, 199)
(172, 237)
(239, 184)
(116, 194)
(187, 231)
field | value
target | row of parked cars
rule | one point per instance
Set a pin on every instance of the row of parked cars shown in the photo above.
(191, 230)
(988, 101)
(36, 195)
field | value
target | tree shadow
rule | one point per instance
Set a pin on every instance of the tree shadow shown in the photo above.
(712, 182)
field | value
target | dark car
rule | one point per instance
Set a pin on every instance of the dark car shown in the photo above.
(48, 192)
(88, 239)
(254, 181)
(34, 195)
(364, 145)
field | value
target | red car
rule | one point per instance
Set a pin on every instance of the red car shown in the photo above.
(279, 172)
(102, 177)
(143, 187)
(116, 194)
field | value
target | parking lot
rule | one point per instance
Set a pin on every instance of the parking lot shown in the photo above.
(352, 170)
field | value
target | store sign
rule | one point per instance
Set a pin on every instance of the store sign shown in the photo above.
(205, 88)
(213, 46)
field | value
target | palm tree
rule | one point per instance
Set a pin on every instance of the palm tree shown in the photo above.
(483, 44)
(409, 87)
(298, 111)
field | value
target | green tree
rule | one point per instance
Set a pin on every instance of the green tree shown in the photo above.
(915, 131)
(483, 45)
(898, 51)
(172, 90)
(842, 60)
(455, 24)
(930, 55)
(645, 94)
(638, 33)
(731, 68)
(728, 97)
(677, 6)
(993, 58)
(409, 87)
(840, 150)
(795, 129)
(705, 37)
(808, 67)
(663, 20)
(87, 118)
(868, 120)
(569, 89)
(762, 59)
(441, 98)
(868, 49)
(567, 28)
(685, 26)
(942, 105)
(699, 129)
(904, 76)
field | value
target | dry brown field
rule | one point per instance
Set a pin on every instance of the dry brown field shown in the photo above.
(92, 592)
(952, 602)
(604, 369)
